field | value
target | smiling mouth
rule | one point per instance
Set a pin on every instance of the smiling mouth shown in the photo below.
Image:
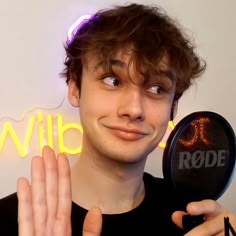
(127, 134)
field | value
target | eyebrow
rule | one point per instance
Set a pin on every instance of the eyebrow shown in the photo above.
(166, 73)
(115, 62)
(112, 62)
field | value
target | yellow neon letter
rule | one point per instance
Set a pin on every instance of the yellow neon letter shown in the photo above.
(171, 125)
(22, 149)
(50, 131)
(61, 130)
(41, 130)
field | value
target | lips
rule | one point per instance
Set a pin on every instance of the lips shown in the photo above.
(127, 134)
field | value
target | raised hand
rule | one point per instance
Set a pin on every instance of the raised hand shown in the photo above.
(214, 215)
(45, 205)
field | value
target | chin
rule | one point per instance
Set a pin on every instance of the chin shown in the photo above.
(127, 157)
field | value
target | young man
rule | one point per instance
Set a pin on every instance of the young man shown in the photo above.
(126, 68)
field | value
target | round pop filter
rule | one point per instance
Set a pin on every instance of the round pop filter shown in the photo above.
(199, 158)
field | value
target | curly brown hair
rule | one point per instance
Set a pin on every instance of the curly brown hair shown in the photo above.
(148, 30)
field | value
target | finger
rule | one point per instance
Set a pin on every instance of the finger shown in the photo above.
(51, 178)
(25, 213)
(214, 226)
(38, 195)
(93, 223)
(64, 196)
(214, 217)
(177, 218)
(209, 208)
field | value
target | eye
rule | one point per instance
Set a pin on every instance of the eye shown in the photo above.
(111, 80)
(156, 89)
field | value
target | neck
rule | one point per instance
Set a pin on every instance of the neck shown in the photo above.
(105, 183)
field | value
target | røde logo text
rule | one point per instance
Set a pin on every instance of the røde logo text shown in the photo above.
(201, 159)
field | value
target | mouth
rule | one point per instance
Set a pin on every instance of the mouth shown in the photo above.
(128, 134)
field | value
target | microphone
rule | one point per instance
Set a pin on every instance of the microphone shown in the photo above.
(199, 159)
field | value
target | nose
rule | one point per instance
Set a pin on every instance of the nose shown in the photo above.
(131, 104)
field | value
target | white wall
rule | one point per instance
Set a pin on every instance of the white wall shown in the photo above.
(31, 46)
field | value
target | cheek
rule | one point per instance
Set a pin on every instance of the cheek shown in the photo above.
(95, 106)
(159, 115)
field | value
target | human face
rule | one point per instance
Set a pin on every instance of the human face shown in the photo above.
(124, 115)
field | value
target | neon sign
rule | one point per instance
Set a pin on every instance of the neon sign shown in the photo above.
(49, 130)
(42, 129)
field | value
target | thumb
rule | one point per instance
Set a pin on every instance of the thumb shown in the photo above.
(177, 218)
(93, 222)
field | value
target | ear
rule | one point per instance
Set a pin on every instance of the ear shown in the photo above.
(174, 109)
(73, 93)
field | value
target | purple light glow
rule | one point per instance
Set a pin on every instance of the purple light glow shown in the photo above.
(75, 26)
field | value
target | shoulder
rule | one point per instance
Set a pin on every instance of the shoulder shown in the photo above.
(8, 215)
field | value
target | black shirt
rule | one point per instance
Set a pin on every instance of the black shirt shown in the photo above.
(151, 217)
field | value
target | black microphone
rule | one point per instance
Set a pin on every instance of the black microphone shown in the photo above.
(199, 159)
